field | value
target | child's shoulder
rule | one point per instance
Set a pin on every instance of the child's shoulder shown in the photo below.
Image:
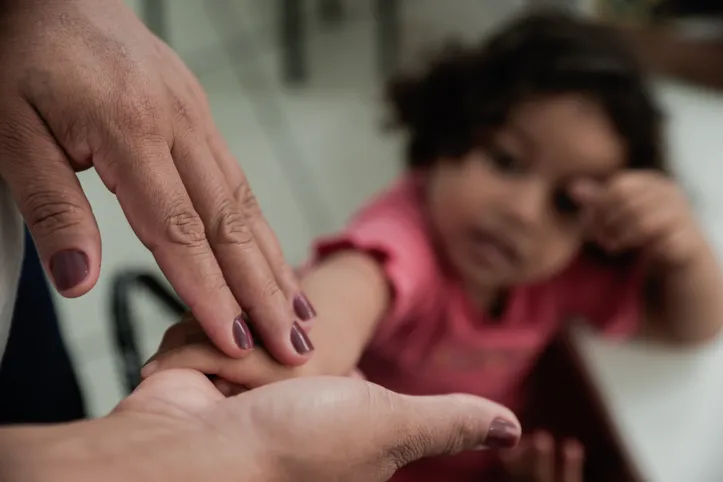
(394, 220)
(391, 226)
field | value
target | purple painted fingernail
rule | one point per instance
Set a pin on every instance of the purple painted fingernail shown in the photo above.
(502, 434)
(69, 268)
(303, 308)
(300, 341)
(241, 333)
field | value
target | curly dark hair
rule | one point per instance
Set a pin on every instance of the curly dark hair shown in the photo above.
(469, 91)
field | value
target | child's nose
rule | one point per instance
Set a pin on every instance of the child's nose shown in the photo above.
(527, 206)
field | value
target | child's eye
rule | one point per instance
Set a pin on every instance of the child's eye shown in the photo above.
(504, 161)
(564, 203)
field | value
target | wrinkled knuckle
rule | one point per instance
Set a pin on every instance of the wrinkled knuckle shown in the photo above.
(183, 112)
(230, 228)
(214, 282)
(74, 131)
(246, 199)
(271, 289)
(184, 227)
(412, 448)
(48, 212)
(15, 130)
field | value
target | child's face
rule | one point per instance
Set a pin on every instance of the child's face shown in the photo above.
(504, 215)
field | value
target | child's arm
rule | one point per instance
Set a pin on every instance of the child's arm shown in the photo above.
(685, 302)
(350, 292)
(646, 211)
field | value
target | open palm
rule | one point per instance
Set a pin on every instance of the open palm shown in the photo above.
(315, 429)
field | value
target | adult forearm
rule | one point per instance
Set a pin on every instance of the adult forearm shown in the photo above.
(116, 449)
(40, 453)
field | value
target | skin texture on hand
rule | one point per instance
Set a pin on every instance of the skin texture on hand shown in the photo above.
(86, 85)
(177, 426)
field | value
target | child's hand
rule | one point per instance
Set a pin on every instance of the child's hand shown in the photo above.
(538, 458)
(640, 210)
(185, 345)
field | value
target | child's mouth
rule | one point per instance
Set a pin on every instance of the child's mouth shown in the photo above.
(491, 250)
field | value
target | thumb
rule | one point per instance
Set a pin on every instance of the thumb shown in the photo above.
(52, 202)
(448, 424)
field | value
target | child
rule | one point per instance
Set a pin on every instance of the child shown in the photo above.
(536, 191)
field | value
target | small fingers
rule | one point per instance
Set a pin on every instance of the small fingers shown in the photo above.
(624, 222)
(543, 457)
(573, 455)
(517, 461)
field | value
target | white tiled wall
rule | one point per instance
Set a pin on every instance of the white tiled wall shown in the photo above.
(312, 153)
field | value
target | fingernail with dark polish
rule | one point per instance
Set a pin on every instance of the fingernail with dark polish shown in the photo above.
(502, 434)
(242, 334)
(69, 268)
(299, 340)
(303, 308)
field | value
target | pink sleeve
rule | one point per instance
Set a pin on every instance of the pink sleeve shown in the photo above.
(607, 293)
(392, 229)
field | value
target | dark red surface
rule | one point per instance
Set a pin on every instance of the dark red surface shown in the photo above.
(562, 399)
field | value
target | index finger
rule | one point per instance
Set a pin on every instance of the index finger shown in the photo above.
(163, 217)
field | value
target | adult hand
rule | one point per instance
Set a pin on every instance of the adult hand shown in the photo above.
(85, 84)
(177, 426)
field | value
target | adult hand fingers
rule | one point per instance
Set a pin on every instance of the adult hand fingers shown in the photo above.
(244, 265)
(265, 237)
(436, 425)
(142, 174)
(51, 200)
(268, 242)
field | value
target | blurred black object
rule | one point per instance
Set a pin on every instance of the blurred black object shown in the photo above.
(37, 381)
(561, 398)
(688, 8)
(124, 332)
